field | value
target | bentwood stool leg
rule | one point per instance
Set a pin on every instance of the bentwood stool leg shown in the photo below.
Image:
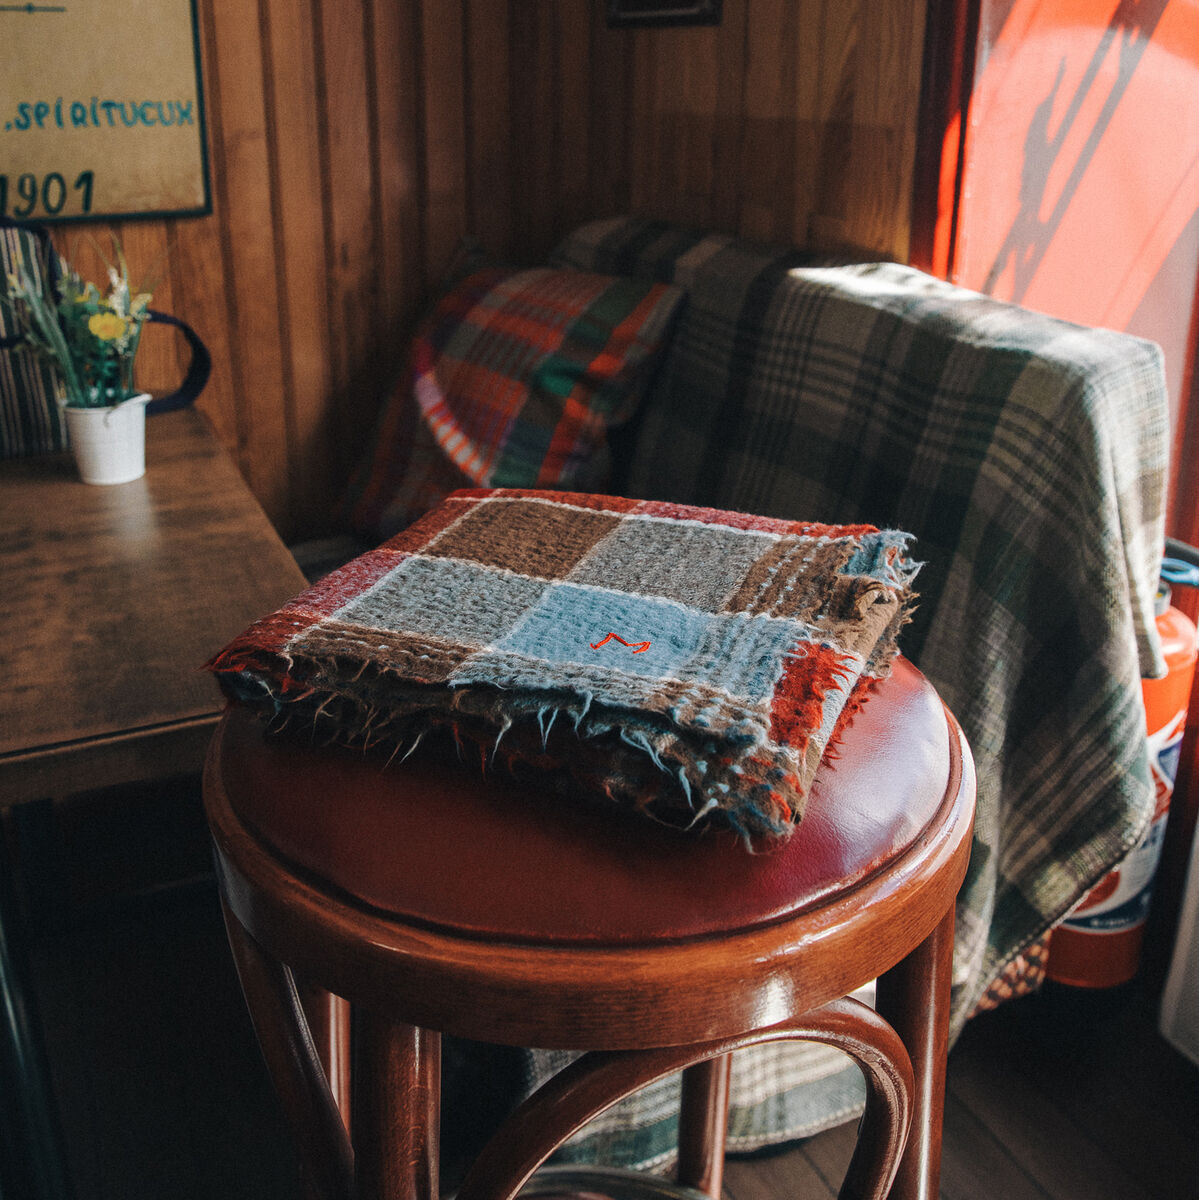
(914, 998)
(703, 1124)
(293, 1064)
(397, 1105)
(329, 1021)
(597, 1080)
(33, 1159)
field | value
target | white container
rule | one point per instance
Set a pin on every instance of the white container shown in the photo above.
(109, 444)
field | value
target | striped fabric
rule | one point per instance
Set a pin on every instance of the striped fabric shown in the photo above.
(695, 663)
(515, 380)
(30, 419)
(1026, 454)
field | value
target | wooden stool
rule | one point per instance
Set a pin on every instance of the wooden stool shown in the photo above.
(436, 901)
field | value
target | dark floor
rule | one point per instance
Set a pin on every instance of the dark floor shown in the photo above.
(163, 1094)
(1044, 1104)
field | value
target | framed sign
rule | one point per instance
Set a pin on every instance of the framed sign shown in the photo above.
(663, 12)
(101, 112)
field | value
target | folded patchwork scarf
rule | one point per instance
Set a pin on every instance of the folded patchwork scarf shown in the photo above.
(686, 662)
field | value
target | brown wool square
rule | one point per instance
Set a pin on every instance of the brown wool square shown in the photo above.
(420, 658)
(780, 581)
(526, 536)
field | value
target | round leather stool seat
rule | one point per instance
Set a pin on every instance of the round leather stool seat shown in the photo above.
(438, 898)
(435, 842)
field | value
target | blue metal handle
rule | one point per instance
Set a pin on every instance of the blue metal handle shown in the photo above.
(1181, 564)
(1175, 571)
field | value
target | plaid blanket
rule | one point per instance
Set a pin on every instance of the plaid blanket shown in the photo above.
(1028, 455)
(702, 659)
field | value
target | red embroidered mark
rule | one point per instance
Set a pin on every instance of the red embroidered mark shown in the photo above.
(636, 647)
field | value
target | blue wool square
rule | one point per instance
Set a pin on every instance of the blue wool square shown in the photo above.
(457, 600)
(743, 654)
(568, 620)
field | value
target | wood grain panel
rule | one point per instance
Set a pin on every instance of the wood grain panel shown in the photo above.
(350, 188)
(732, 62)
(489, 123)
(249, 254)
(199, 265)
(298, 221)
(444, 67)
(573, 102)
(697, 135)
(610, 111)
(794, 120)
(540, 31)
(352, 145)
(397, 109)
(767, 169)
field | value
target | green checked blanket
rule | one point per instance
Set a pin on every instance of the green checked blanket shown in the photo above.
(1028, 456)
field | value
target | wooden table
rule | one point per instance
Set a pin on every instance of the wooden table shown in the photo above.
(113, 598)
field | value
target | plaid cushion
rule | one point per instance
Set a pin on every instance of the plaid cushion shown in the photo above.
(515, 380)
(701, 660)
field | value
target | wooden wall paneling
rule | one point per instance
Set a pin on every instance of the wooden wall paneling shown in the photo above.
(609, 83)
(162, 354)
(199, 259)
(529, 128)
(397, 58)
(868, 192)
(642, 48)
(696, 135)
(345, 90)
(886, 98)
(792, 120)
(443, 77)
(730, 107)
(574, 122)
(834, 117)
(807, 48)
(400, 246)
(662, 52)
(489, 125)
(298, 224)
(767, 173)
(537, 44)
(661, 59)
(676, 63)
(248, 257)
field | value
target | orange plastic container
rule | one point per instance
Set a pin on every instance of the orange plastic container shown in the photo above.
(1099, 944)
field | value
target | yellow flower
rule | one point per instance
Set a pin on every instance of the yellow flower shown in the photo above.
(107, 326)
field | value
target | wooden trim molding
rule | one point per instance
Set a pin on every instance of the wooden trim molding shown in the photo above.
(950, 38)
